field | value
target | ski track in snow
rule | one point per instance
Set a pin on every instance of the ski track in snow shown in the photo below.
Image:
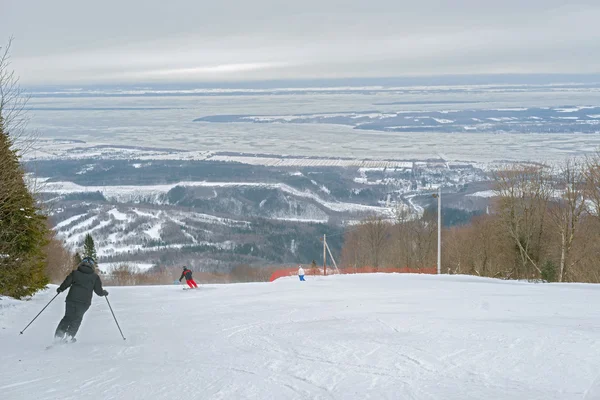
(343, 337)
(83, 225)
(68, 221)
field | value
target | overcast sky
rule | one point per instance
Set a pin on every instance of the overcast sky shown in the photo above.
(80, 41)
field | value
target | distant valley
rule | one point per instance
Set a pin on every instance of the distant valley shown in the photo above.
(214, 215)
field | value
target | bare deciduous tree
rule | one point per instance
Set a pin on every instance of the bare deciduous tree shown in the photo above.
(60, 262)
(375, 231)
(567, 210)
(352, 252)
(14, 120)
(524, 194)
(592, 184)
(424, 234)
(13, 103)
(404, 244)
(543, 223)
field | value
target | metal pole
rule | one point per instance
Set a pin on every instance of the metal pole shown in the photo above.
(439, 255)
(324, 254)
(333, 259)
(39, 313)
(113, 314)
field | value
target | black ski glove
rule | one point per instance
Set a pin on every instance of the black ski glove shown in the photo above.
(58, 290)
(105, 293)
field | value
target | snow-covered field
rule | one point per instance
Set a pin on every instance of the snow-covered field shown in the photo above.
(343, 337)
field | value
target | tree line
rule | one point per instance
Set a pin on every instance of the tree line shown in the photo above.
(542, 223)
(30, 254)
(24, 233)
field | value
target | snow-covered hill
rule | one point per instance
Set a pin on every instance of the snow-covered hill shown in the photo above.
(216, 215)
(343, 337)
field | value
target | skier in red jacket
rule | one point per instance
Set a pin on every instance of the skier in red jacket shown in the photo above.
(187, 274)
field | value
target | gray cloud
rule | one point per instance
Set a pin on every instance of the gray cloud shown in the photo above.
(74, 41)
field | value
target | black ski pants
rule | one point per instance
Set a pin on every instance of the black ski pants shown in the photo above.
(70, 323)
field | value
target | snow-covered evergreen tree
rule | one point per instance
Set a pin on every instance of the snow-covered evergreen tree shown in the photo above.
(89, 248)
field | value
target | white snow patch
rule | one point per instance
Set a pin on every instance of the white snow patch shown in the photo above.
(500, 119)
(86, 169)
(414, 206)
(119, 216)
(442, 121)
(484, 193)
(573, 109)
(362, 170)
(7, 302)
(154, 232)
(567, 110)
(193, 239)
(304, 220)
(143, 213)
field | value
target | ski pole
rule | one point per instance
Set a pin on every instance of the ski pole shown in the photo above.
(113, 314)
(39, 313)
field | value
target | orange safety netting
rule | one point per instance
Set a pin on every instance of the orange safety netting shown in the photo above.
(362, 270)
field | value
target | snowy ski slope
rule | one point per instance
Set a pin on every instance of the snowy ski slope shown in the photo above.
(344, 337)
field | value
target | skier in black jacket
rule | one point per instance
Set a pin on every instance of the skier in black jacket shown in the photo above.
(82, 282)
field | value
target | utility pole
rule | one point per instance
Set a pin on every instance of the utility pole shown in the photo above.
(333, 259)
(439, 261)
(439, 254)
(324, 254)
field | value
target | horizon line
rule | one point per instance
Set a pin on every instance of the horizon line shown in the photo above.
(402, 80)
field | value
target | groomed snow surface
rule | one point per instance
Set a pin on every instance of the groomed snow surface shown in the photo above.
(372, 336)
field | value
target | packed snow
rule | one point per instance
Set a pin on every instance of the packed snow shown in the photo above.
(343, 337)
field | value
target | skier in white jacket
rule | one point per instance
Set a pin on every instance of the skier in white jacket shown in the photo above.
(301, 273)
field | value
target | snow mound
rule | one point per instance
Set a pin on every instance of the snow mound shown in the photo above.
(381, 336)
